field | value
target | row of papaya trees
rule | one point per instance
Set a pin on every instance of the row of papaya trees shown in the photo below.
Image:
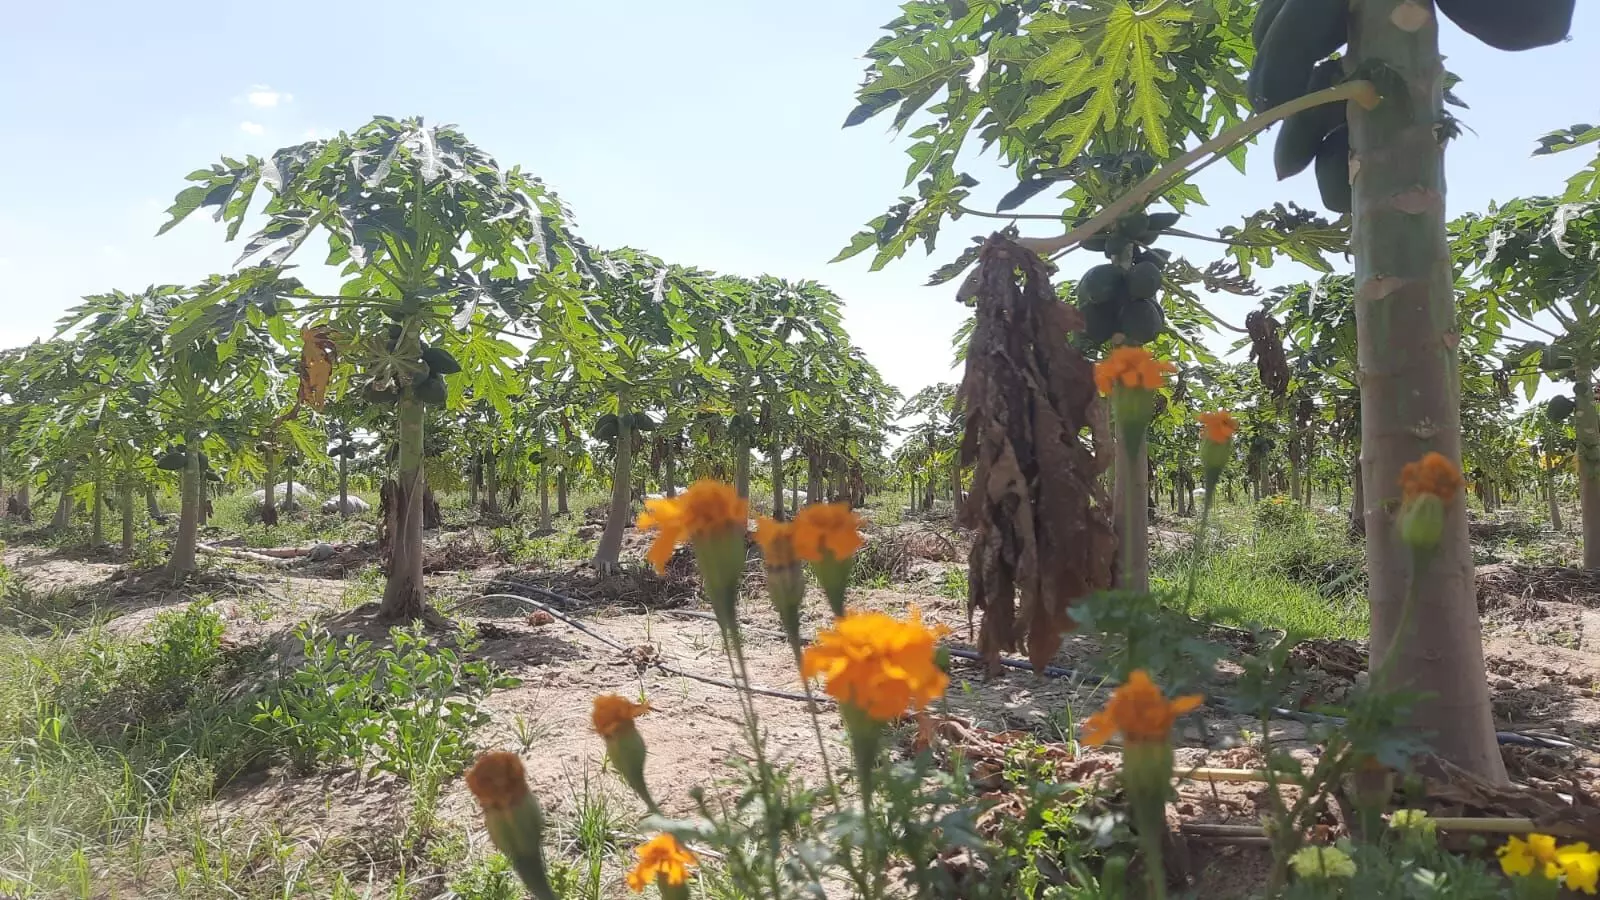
(471, 324)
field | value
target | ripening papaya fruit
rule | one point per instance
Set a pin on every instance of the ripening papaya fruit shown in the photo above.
(1302, 134)
(1512, 26)
(432, 391)
(1144, 280)
(1142, 321)
(1103, 284)
(1559, 408)
(439, 361)
(606, 427)
(1100, 321)
(1303, 33)
(1333, 171)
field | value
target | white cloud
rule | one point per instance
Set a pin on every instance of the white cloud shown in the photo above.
(264, 97)
(252, 128)
(312, 134)
(5, 262)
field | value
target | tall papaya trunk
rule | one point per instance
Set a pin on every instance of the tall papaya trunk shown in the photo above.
(403, 598)
(289, 502)
(777, 481)
(1132, 507)
(1550, 496)
(491, 484)
(670, 472)
(561, 492)
(344, 486)
(269, 491)
(97, 518)
(814, 481)
(544, 497)
(125, 504)
(475, 481)
(63, 516)
(1410, 386)
(152, 505)
(191, 482)
(1588, 430)
(609, 553)
(741, 461)
(794, 498)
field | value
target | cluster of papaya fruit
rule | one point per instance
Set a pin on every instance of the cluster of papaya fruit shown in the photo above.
(175, 459)
(1560, 408)
(608, 426)
(429, 387)
(1119, 297)
(1294, 38)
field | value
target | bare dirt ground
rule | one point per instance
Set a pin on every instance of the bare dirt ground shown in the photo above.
(1542, 641)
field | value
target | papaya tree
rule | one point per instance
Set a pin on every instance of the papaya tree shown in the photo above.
(440, 251)
(1086, 99)
(1530, 263)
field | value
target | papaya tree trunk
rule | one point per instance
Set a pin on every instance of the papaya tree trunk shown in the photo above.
(1133, 520)
(403, 599)
(1550, 495)
(289, 502)
(544, 497)
(491, 484)
(125, 502)
(474, 480)
(344, 486)
(1588, 431)
(97, 518)
(561, 492)
(63, 516)
(191, 481)
(670, 472)
(741, 464)
(269, 491)
(609, 553)
(1410, 385)
(777, 482)
(814, 480)
(152, 505)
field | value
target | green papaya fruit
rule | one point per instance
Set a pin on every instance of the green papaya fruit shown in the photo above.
(1512, 26)
(607, 427)
(1303, 33)
(1096, 243)
(1144, 280)
(432, 391)
(214, 478)
(738, 421)
(1333, 171)
(642, 422)
(439, 361)
(1133, 224)
(1302, 134)
(1100, 321)
(1556, 358)
(1265, 13)
(1159, 257)
(1105, 283)
(172, 460)
(394, 331)
(1115, 244)
(1559, 408)
(1142, 321)
(1161, 221)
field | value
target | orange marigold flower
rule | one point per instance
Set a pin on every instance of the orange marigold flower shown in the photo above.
(1139, 712)
(777, 542)
(826, 526)
(661, 857)
(1218, 426)
(878, 664)
(497, 780)
(1433, 474)
(1131, 367)
(707, 507)
(612, 713)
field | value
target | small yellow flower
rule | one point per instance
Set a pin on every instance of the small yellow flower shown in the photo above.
(1218, 426)
(1322, 862)
(1521, 857)
(706, 508)
(613, 713)
(1581, 866)
(661, 858)
(777, 542)
(878, 664)
(1131, 367)
(497, 780)
(1432, 474)
(830, 527)
(1413, 820)
(1139, 712)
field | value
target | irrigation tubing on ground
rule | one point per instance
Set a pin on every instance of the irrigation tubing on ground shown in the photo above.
(1512, 738)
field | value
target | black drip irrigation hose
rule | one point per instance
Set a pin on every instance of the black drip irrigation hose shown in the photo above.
(1505, 738)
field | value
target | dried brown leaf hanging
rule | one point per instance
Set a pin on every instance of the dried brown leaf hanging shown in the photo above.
(1043, 521)
(1266, 348)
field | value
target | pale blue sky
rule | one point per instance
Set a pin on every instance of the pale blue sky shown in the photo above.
(704, 131)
